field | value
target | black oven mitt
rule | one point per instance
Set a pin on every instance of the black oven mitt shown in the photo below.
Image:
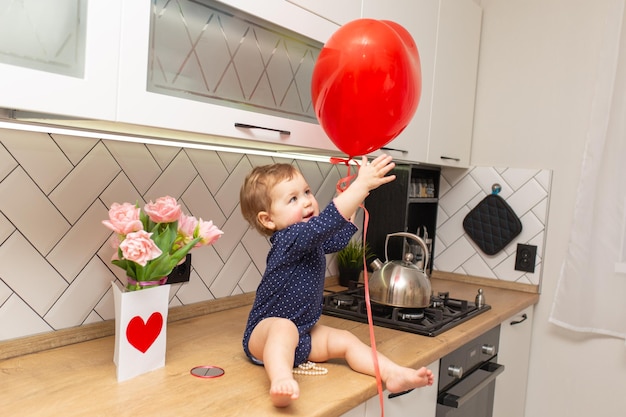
(492, 224)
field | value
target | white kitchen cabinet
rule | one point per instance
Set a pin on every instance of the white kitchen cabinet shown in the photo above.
(92, 95)
(328, 9)
(421, 402)
(447, 34)
(514, 354)
(454, 88)
(137, 105)
(358, 411)
(419, 17)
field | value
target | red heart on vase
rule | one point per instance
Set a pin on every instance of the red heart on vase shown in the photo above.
(142, 335)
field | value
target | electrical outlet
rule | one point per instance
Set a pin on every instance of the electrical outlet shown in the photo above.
(181, 273)
(525, 258)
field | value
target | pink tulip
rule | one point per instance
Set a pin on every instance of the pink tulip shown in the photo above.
(209, 232)
(139, 247)
(123, 219)
(163, 210)
(187, 225)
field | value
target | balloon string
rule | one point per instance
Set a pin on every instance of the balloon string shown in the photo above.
(344, 182)
(342, 185)
(368, 306)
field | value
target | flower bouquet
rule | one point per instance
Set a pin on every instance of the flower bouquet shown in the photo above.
(151, 242)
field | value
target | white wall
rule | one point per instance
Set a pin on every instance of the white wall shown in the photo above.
(536, 76)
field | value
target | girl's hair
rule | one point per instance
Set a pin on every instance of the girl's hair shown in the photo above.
(255, 197)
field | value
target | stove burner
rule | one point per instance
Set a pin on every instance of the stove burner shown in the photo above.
(437, 303)
(410, 314)
(343, 300)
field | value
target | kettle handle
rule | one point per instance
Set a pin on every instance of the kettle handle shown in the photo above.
(410, 236)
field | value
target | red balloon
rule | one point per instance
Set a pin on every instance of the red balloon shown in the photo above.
(366, 84)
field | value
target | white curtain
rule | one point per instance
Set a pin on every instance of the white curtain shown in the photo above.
(591, 292)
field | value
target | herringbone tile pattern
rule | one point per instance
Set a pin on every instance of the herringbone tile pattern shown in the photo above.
(54, 252)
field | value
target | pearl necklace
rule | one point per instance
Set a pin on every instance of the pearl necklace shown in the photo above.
(310, 368)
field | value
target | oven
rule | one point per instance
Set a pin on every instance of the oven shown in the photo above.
(467, 378)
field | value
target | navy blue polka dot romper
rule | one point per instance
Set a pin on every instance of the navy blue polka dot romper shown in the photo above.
(293, 283)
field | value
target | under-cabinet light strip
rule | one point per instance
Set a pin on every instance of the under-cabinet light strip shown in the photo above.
(161, 142)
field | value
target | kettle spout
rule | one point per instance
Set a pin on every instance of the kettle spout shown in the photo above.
(376, 264)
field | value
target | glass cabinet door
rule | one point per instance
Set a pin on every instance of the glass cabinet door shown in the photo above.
(29, 37)
(207, 51)
(60, 57)
(210, 67)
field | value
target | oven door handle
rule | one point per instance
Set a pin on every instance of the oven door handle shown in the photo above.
(470, 385)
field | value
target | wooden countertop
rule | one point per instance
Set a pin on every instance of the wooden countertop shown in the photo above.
(79, 379)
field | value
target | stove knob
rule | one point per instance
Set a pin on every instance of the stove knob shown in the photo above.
(488, 350)
(455, 371)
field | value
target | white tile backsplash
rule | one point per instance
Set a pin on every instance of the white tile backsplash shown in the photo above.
(82, 241)
(36, 153)
(137, 162)
(73, 149)
(6, 228)
(174, 179)
(29, 322)
(55, 269)
(29, 209)
(5, 292)
(7, 163)
(458, 196)
(55, 190)
(194, 291)
(28, 274)
(79, 298)
(210, 167)
(250, 279)
(78, 190)
(525, 190)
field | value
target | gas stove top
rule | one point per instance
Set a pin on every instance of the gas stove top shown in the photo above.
(443, 313)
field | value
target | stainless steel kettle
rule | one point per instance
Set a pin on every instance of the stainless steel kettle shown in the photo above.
(401, 283)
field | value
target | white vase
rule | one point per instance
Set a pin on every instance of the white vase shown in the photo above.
(140, 330)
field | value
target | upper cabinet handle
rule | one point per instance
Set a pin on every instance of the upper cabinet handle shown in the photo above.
(282, 132)
(384, 148)
(451, 158)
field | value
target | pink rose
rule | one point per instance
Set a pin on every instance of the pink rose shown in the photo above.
(164, 210)
(209, 232)
(123, 218)
(139, 248)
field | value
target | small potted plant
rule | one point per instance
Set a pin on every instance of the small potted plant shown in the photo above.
(350, 261)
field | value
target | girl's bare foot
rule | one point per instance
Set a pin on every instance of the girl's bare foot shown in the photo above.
(283, 391)
(403, 379)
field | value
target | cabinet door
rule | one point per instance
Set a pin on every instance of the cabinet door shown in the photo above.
(137, 105)
(454, 88)
(419, 17)
(421, 402)
(514, 354)
(358, 411)
(90, 95)
(349, 10)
